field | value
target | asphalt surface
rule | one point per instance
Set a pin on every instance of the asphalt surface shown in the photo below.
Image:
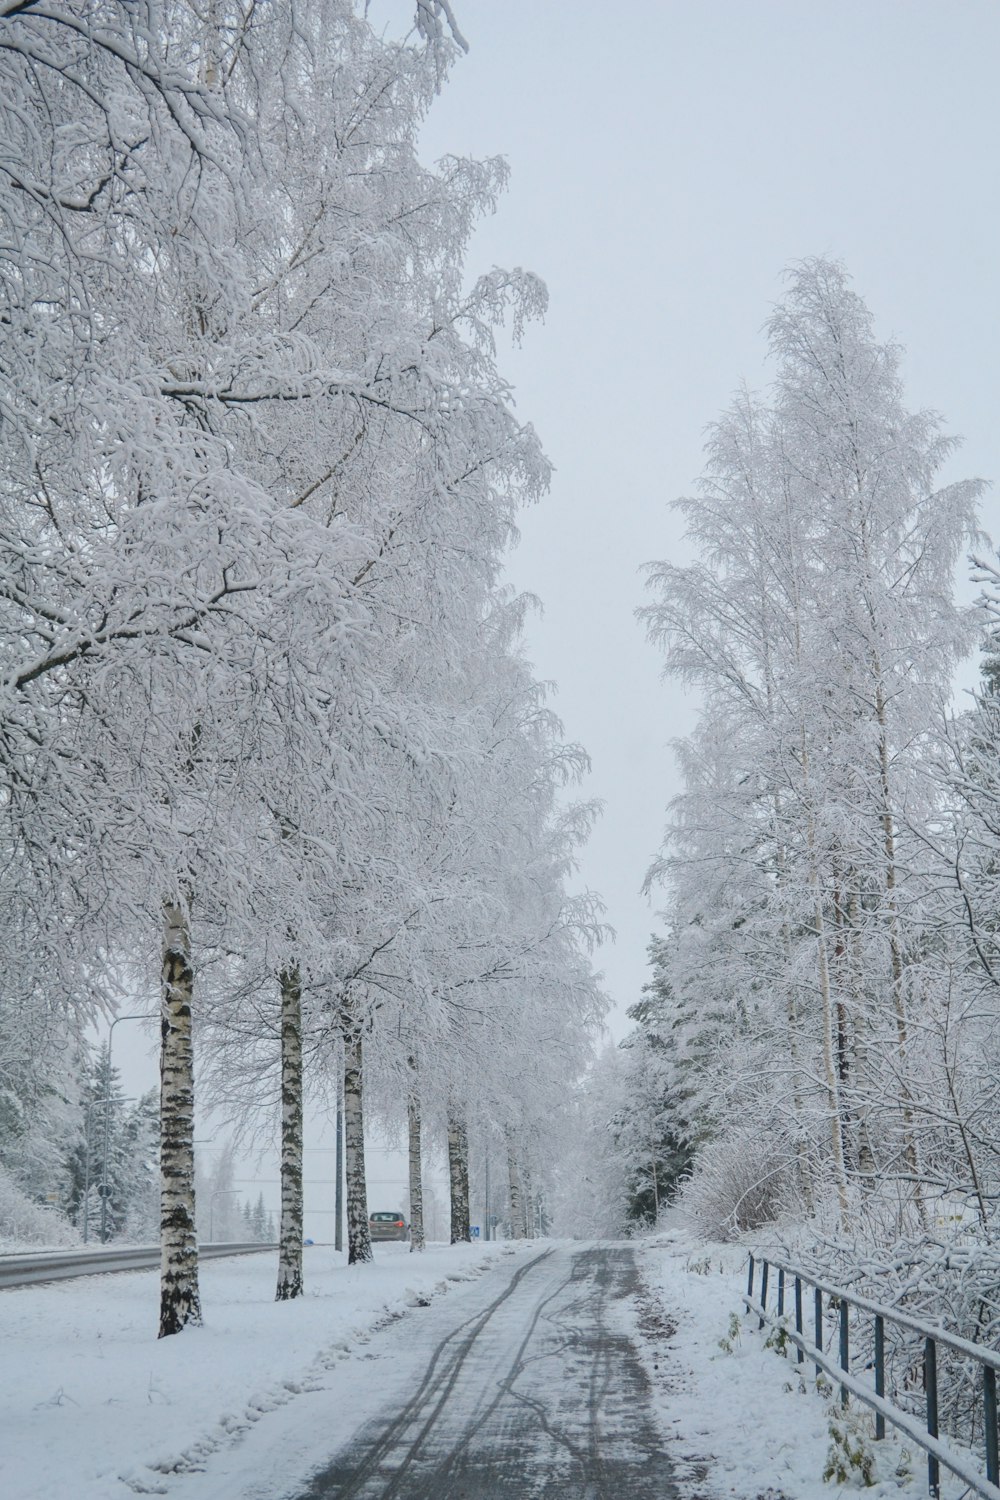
(57, 1265)
(538, 1394)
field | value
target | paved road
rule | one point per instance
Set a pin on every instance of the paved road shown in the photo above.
(538, 1394)
(97, 1260)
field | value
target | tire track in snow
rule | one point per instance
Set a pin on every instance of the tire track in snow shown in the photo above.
(536, 1394)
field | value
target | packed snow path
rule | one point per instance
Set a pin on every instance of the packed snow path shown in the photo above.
(537, 1394)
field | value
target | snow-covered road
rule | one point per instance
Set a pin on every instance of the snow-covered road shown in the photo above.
(539, 1393)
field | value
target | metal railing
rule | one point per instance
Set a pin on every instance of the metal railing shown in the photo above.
(924, 1434)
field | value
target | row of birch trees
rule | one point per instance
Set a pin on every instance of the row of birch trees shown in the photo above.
(267, 733)
(822, 1018)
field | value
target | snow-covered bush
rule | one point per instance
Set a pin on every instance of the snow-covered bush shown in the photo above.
(24, 1222)
(740, 1182)
(950, 1282)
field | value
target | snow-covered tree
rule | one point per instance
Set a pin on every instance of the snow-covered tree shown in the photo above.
(819, 624)
(258, 474)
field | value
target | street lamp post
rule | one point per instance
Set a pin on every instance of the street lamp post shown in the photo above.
(219, 1193)
(107, 1128)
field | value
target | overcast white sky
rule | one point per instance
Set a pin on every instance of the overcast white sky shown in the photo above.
(668, 159)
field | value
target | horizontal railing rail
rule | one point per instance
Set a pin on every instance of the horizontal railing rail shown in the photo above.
(923, 1433)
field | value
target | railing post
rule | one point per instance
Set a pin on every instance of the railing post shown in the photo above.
(818, 1309)
(990, 1424)
(763, 1290)
(879, 1371)
(800, 1356)
(750, 1276)
(845, 1364)
(781, 1291)
(930, 1384)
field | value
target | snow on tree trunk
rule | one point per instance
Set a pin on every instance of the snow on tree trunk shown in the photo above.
(416, 1178)
(516, 1204)
(830, 1075)
(792, 1031)
(910, 1147)
(528, 1205)
(290, 1238)
(179, 1300)
(864, 1090)
(359, 1240)
(829, 1071)
(458, 1176)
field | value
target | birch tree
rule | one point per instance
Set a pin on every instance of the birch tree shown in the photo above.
(825, 542)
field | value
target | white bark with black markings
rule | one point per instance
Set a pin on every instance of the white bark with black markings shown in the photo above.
(359, 1241)
(528, 1205)
(290, 1237)
(416, 1176)
(179, 1299)
(516, 1200)
(458, 1176)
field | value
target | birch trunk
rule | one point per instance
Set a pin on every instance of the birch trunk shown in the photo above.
(792, 1022)
(826, 998)
(416, 1179)
(290, 1239)
(516, 1209)
(829, 1071)
(791, 1004)
(792, 1026)
(910, 1148)
(458, 1175)
(911, 1151)
(840, 964)
(528, 1201)
(180, 1303)
(865, 1089)
(359, 1240)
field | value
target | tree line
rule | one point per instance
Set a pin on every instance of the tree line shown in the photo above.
(269, 743)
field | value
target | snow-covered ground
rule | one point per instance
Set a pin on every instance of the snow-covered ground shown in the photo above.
(93, 1407)
(738, 1410)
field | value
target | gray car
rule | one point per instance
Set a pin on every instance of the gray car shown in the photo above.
(388, 1226)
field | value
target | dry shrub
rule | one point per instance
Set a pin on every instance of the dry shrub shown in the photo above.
(26, 1223)
(739, 1182)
